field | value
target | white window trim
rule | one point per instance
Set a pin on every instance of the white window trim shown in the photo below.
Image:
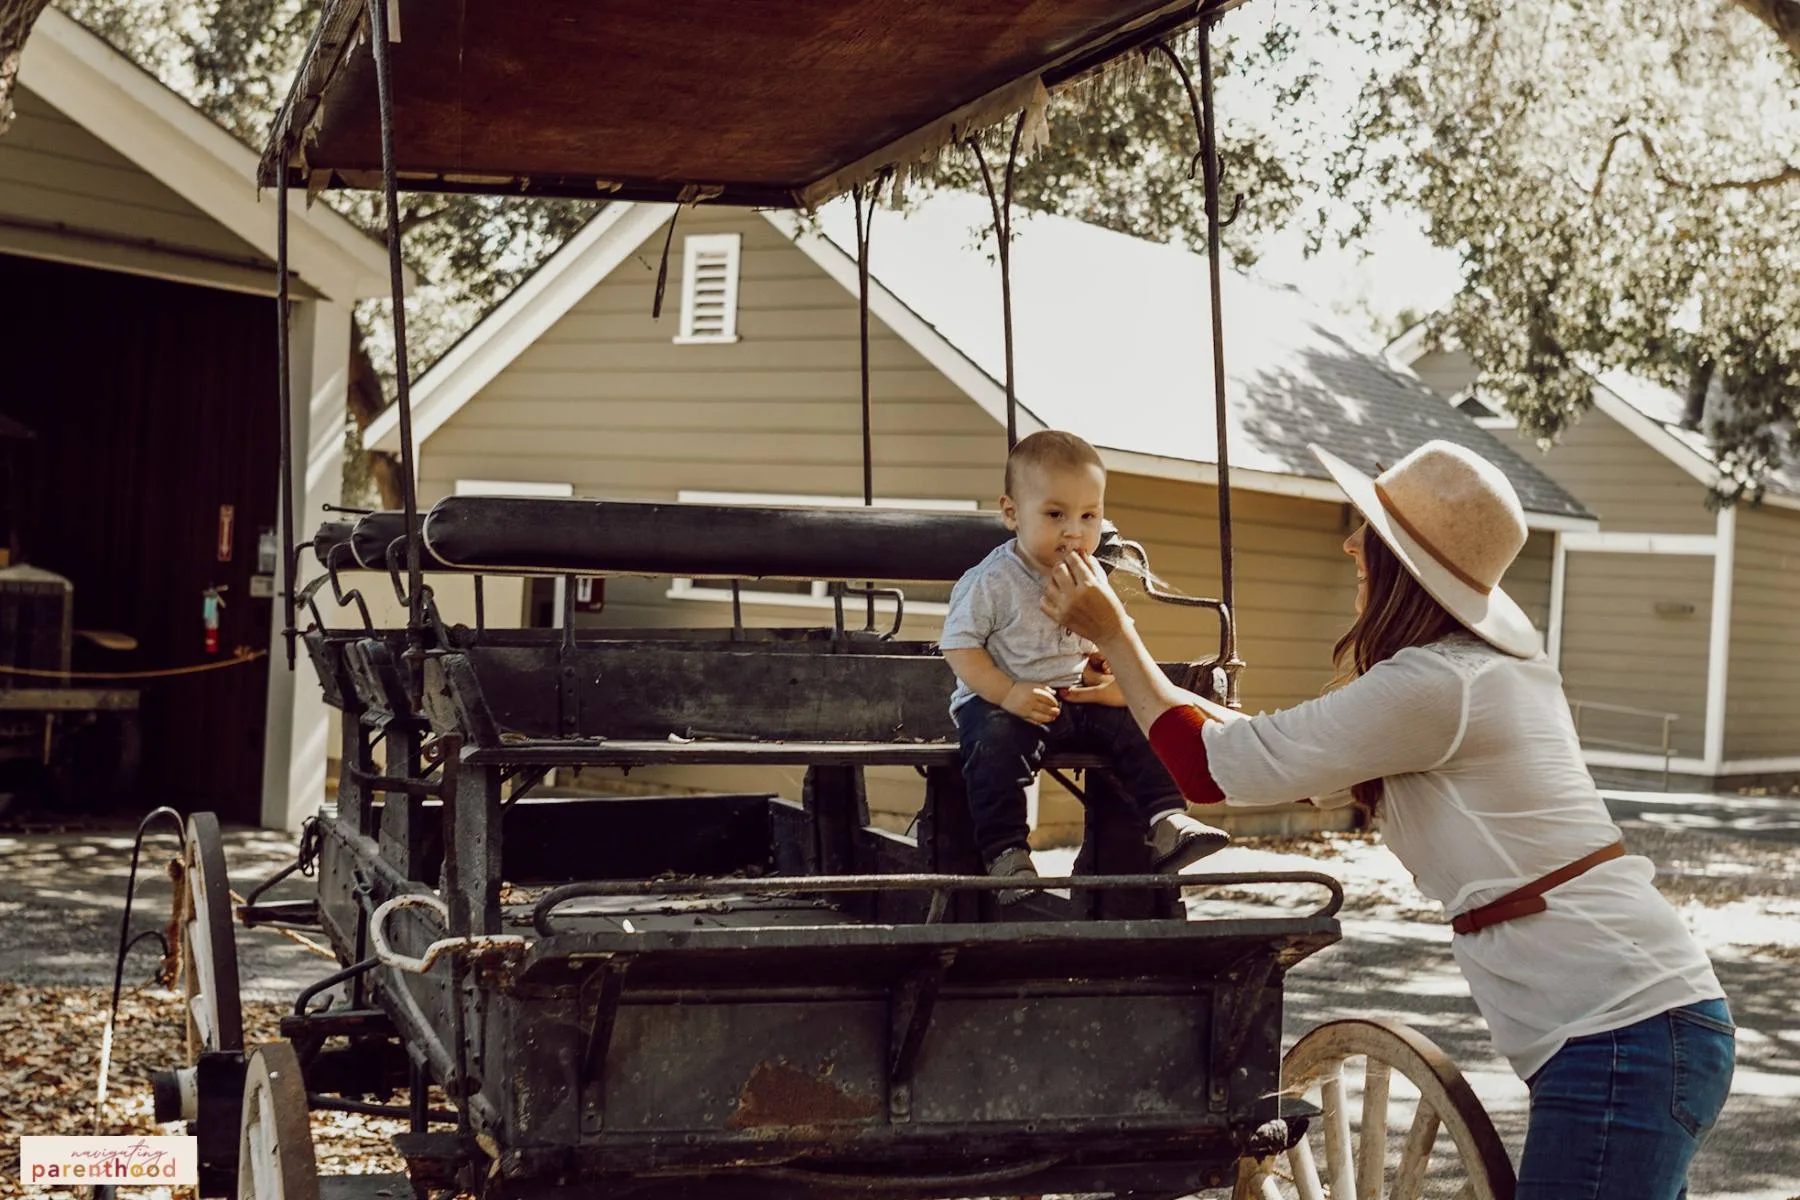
(506, 487)
(692, 247)
(714, 591)
(1718, 659)
(1699, 545)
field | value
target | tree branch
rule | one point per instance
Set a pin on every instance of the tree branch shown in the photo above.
(1781, 16)
(16, 19)
(1785, 173)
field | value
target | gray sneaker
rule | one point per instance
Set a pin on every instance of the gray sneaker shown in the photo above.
(1016, 861)
(1178, 841)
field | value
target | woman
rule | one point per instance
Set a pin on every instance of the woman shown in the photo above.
(1448, 722)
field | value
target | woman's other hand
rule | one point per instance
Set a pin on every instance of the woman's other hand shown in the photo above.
(1103, 690)
(1079, 598)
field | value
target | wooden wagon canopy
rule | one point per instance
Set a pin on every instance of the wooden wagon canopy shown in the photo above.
(778, 103)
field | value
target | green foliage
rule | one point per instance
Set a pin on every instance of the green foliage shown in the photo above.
(1623, 181)
(1124, 154)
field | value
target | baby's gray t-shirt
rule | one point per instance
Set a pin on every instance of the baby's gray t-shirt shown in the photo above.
(994, 607)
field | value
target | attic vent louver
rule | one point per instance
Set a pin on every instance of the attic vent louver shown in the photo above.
(709, 288)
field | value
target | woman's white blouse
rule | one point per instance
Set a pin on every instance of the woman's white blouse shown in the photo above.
(1486, 791)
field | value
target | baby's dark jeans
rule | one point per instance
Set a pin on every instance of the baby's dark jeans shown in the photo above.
(1002, 753)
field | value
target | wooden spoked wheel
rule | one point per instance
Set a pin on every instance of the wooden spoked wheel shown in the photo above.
(275, 1147)
(1399, 1123)
(209, 967)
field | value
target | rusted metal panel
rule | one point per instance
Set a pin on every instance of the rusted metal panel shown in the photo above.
(782, 1070)
(1106, 1058)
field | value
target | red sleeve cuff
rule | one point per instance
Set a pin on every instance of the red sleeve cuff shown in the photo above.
(1176, 738)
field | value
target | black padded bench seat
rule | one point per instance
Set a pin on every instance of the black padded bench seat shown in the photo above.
(624, 752)
(507, 535)
(706, 541)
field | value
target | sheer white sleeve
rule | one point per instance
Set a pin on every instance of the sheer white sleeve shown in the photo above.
(1407, 714)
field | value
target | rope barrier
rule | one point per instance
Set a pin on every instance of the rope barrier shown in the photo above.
(236, 660)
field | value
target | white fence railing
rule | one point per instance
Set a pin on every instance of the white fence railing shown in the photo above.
(1664, 747)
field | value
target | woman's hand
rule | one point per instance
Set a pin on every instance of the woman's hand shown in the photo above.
(1104, 690)
(1079, 598)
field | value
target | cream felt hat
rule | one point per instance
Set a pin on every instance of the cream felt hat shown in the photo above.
(1455, 523)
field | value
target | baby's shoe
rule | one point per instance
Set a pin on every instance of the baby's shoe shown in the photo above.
(1009, 863)
(1178, 841)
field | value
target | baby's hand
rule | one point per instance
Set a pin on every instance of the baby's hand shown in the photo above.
(1032, 702)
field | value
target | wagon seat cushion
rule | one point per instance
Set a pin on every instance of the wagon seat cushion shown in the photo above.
(330, 536)
(538, 535)
(372, 536)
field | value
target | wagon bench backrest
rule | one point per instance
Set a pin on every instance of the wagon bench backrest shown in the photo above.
(792, 688)
(555, 536)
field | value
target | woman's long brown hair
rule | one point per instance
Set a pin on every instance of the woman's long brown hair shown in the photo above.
(1399, 613)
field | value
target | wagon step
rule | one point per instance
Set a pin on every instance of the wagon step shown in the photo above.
(394, 1186)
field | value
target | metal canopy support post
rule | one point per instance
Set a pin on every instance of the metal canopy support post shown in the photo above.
(291, 549)
(865, 221)
(409, 499)
(1001, 202)
(1209, 158)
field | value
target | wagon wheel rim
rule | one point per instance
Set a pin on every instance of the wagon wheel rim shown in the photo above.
(209, 967)
(1343, 1161)
(275, 1147)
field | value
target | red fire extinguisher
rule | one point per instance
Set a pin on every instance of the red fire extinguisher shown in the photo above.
(210, 604)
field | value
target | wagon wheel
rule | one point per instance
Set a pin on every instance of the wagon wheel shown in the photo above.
(275, 1147)
(1419, 1132)
(209, 968)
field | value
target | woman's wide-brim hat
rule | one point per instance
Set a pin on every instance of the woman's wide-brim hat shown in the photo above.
(1455, 523)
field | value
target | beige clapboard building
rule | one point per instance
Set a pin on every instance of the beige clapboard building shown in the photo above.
(1672, 607)
(748, 389)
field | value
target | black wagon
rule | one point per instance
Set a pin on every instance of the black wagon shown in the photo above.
(740, 995)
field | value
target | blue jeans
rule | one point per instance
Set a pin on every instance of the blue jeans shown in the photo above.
(1002, 753)
(1619, 1115)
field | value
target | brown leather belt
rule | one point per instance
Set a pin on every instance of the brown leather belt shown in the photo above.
(1523, 901)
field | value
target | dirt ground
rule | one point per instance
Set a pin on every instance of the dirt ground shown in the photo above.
(1735, 879)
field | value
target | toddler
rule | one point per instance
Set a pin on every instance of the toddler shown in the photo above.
(1025, 687)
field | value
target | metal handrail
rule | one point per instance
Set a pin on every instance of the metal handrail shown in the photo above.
(938, 884)
(1664, 748)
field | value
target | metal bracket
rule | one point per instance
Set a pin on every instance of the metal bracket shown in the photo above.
(445, 752)
(1231, 1021)
(611, 977)
(839, 590)
(910, 1011)
(568, 703)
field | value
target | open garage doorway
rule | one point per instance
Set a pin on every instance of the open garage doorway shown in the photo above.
(148, 477)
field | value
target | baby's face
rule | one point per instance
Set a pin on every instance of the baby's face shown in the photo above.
(1056, 510)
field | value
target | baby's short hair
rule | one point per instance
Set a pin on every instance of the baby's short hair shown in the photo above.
(1050, 448)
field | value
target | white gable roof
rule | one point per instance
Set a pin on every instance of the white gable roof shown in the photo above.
(1111, 342)
(130, 110)
(1648, 411)
(1653, 413)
